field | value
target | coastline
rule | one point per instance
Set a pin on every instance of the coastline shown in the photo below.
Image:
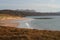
(14, 18)
(8, 21)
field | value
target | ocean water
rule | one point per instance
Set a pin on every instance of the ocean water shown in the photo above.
(45, 24)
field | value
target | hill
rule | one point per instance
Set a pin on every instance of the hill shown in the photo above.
(28, 13)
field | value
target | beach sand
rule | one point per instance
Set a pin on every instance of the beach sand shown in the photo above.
(14, 22)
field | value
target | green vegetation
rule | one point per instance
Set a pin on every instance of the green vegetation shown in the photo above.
(11, 13)
(23, 13)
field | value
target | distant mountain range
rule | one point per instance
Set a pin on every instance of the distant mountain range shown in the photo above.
(28, 13)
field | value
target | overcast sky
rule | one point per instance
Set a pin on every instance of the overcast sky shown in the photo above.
(38, 5)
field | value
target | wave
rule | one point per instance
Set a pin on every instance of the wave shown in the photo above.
(25, 23)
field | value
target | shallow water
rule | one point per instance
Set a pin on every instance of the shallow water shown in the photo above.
(46, 24)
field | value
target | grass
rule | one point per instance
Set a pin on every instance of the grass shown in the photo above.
(7, 16)
(11, 33)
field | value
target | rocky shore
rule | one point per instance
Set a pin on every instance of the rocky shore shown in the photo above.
(12, 33)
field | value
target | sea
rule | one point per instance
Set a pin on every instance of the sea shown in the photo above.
(45, 22)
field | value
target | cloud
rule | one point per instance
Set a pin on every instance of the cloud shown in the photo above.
(54, 6)
(35, 6)
(53, 0)
(51, 5)
(44, 5)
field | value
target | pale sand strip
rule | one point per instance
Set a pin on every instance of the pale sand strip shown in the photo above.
(14, 18)
(6, 21)
(9, 24)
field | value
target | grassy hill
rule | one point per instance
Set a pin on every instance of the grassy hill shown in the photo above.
(11, 13)
(28, 13)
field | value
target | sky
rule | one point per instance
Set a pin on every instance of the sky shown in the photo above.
(38, 5)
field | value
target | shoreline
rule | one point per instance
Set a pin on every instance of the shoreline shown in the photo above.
(14, 18)
(13, 22)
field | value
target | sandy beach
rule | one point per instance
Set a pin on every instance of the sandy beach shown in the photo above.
(8, 21)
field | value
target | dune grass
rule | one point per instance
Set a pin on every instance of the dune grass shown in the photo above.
(11, 33)
(7, 16)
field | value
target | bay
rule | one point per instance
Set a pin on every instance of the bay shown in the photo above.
(45, 24)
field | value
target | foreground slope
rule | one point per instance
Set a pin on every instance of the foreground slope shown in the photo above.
(11, 33)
